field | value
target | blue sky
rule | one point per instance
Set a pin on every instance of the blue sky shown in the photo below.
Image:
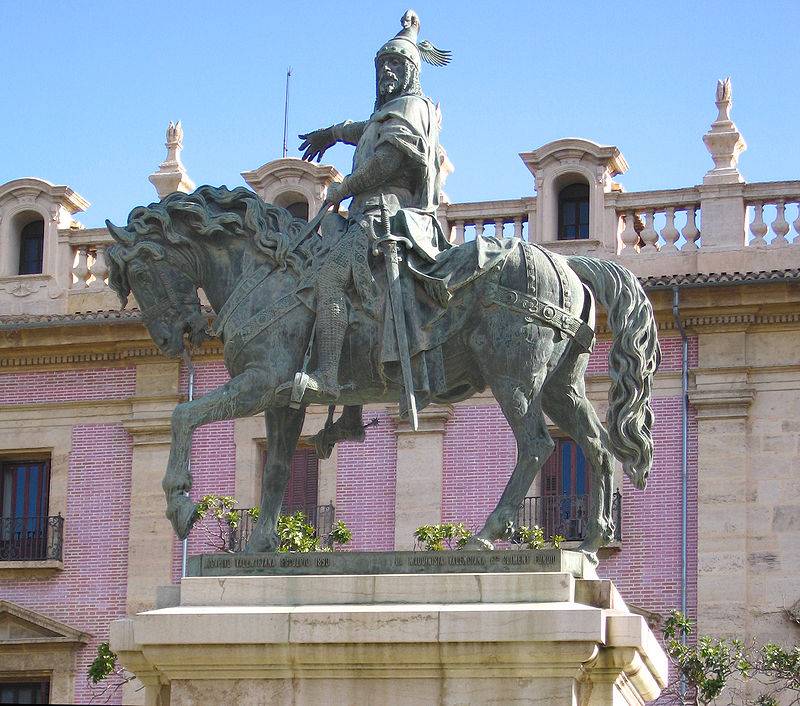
(89, 87)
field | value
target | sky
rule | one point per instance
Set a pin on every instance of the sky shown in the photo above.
(87, 88)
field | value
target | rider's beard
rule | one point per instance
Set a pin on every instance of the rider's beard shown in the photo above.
(388, 85)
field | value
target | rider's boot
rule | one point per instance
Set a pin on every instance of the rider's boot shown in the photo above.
(331, 328)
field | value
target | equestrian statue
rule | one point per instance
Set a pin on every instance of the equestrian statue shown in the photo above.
(378, 306)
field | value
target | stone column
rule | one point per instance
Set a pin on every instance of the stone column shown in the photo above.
(418, 494)
(150, 533)
(722, 400)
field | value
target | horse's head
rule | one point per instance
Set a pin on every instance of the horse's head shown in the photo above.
(165, 293)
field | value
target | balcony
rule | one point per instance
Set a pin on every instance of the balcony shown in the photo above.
(35, 542)
(567, 515)
(321, 517)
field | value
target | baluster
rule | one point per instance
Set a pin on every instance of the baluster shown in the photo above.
(758, 228)
(479, 226)
(670, 232)
(518, 227)
(690, 231)
(99, 267)
(81, 269)
(796, 225)
(499, 227)
(629, 236)
(459, 232)
(780, 226)
(649, 235)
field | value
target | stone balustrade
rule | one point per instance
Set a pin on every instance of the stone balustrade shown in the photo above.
(89, 265)
(465, 221)
(773, 213)
(657, 220)
(705, 228)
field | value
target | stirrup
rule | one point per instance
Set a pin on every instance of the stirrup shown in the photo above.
(299, 389)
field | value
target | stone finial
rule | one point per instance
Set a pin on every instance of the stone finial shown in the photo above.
(172, 175)
(723, 141)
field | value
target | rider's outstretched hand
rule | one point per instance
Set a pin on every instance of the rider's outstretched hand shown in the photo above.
(316, 143)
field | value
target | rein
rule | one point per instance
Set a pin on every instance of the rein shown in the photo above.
(261, 320)
(172, 301)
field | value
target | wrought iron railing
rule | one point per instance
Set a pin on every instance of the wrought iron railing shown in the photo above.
(321, 517)
(31, 538)
(567, 515)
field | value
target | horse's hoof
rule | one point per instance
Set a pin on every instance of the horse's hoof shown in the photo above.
(592, 557)
(262, 542)
(478, 543)
(182, 512)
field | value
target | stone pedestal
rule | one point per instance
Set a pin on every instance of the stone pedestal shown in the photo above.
(534, 638)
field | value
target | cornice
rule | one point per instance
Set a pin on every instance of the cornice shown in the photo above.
(723, 403)
(719, 279)
(432, 419)
(155, 431)
(24, 350)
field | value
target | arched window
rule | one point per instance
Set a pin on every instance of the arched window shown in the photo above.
(299, 209)
(573, 212)
(31, 248)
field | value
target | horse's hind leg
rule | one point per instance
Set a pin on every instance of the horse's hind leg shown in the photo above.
(283, 430)
(564, 401)
(524, 414)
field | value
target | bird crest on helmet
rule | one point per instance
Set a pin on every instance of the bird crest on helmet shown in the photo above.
(406, 45)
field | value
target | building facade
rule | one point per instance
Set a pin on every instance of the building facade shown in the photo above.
(86, 399)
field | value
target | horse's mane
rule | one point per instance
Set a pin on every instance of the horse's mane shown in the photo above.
(210, 212)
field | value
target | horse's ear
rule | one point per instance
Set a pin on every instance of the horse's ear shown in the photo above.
(119, 234)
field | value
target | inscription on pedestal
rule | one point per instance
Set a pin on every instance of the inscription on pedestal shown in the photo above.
(388, 563)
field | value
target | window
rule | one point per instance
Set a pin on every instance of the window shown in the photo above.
(573, 212)
(566, 479)
(299, 209)
(31, 248)
(30, 692)
(24, 521)
(301, 490)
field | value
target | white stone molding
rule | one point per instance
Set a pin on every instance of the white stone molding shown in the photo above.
(285, 181)
(564, 161)
(22, 200)
(723, 140)
(172, 175)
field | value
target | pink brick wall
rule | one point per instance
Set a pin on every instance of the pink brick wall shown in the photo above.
(479, 455)
(365, 486)
(213, 462)
(65, 385)
(91, 590)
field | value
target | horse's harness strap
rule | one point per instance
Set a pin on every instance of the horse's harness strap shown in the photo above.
(242, 290)
(548, 314)
(172, 302)
(257, 323)
(565, 297)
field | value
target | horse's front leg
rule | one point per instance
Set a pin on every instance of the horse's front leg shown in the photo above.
(283, 430)
(240, 397)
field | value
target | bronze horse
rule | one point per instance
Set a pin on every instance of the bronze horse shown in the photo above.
(520, 322)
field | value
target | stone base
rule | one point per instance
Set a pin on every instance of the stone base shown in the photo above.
(534, 638)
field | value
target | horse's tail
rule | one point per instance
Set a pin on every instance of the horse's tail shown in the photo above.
(632, 361)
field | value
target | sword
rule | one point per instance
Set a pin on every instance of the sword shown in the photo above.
(313, 224)
(391, 254)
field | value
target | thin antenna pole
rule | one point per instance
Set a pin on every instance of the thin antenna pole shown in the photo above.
(286, 111)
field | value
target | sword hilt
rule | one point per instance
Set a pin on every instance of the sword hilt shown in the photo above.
(384, 217)
(397, 239)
